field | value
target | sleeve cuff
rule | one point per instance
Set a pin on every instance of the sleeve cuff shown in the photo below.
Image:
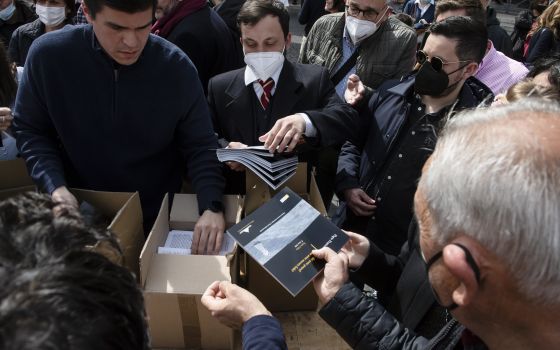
(310, 130)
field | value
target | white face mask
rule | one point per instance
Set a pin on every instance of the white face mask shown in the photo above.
(360, 29)
(8, 12)
(264, 64)
(51, 15)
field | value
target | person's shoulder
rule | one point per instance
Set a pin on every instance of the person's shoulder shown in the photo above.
(399, 28)
(32, 28)
(329, 20)
(221, 80)
(67, 38)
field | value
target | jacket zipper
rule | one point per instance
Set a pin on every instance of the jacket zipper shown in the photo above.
(442, 335)
(115, 82)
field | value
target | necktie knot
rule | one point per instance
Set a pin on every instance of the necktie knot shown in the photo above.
(267, 91)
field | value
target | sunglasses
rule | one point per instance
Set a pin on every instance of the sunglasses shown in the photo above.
(436, 62)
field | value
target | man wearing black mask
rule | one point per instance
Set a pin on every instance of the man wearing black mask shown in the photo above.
(377, 176)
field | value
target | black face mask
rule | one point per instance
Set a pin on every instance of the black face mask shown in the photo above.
(432, 82)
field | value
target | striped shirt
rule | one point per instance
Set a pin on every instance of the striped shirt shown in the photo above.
(499, 72)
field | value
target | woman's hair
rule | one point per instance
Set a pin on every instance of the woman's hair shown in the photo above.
(8, 83)
(550, 18)
(527, 88)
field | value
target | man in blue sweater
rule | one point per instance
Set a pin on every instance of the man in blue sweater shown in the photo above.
(110, 107)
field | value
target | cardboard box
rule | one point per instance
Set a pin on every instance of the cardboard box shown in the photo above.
(255, 278)
(174, 284)
(123, 207)
(14, 178)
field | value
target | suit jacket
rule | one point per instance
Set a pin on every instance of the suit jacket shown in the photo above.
(300, 88)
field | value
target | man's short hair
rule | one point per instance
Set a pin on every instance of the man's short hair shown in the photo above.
(60, 293)
(494, 178)
(470, 35)
(473, 8)
(253, 11)
(128, 6)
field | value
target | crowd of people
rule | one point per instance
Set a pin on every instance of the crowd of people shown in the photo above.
(433, 127)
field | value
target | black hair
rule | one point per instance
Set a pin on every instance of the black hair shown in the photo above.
(253, 11)
(8, 83)
(550, 64)
(473, 8)
(59, 293)
(471, 36)
(406, 19)
(128, 6)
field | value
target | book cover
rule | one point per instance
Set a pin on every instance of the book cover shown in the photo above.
(280, 236)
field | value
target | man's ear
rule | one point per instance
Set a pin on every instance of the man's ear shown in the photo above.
(288, 41)
(456, 262)
(86, 12)
(471, 69)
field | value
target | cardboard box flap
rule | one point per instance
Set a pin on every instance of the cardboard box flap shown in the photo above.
(108, 203)
(184, 211)
(155, 239)
(13, 174)
(168, 273)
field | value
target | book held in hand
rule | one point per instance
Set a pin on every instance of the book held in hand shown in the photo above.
(280, 236)
(274, 169)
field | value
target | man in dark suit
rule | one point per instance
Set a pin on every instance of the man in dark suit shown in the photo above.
(272, 100)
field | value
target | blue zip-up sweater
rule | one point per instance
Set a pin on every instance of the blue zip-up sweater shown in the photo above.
(82, 120)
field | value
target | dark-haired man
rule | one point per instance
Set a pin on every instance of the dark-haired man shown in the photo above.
(134, 120)
(56, 291)
(272, 100)
(377, 175)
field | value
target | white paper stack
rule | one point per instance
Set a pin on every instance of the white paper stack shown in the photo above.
(180, 242)
(274, 169)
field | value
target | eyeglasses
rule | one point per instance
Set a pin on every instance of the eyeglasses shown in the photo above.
(437, 62)
(370, 14)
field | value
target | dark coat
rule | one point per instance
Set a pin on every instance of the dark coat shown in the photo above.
(208, 42)
(412, 9)
(542, 44)
(360, 164)
(24, 13)
(497, 35)
(22, 39)
(301, 88)
(310, 12)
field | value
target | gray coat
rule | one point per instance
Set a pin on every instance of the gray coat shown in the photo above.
(388, 54)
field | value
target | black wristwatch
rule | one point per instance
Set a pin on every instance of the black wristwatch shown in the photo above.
(216, 207)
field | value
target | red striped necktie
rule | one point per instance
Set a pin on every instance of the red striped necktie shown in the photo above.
(267, 91)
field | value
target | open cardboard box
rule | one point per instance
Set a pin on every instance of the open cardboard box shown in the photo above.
(255, 278)
(123, 207)
(174, 284)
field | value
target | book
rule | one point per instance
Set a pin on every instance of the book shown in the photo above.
(273, 169)
(280, 236)
(180, 242)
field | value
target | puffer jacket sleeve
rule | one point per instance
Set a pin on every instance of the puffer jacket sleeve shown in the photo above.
(364, 324)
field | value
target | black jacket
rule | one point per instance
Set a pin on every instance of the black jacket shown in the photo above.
(497, 35)
(208, 42)
(361, 165)
(22, 39)
(542, 44)
(24, 13)
(310, 12)
(402, 285)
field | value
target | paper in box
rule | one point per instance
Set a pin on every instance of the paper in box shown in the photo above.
(122, 207)
(174, 284)
(255, 278)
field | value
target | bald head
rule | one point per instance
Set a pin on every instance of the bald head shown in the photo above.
(495, 177)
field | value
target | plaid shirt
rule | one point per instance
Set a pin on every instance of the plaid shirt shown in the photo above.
(80, 17)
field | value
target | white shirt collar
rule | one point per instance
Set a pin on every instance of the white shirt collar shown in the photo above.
(250, 76)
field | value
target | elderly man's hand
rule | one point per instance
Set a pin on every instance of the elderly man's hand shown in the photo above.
(285, 134)
(359, 202)
(333, 277)
(356, 249)
(235, 166)
(355, 90)
(231, 304)
(208, 233)
(5, 118)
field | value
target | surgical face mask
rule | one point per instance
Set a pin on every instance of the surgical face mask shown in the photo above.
(264, 64)
(360, 29)
(51, 15)
(8, 12)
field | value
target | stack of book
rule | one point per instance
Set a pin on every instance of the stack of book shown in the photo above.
(274, 169)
